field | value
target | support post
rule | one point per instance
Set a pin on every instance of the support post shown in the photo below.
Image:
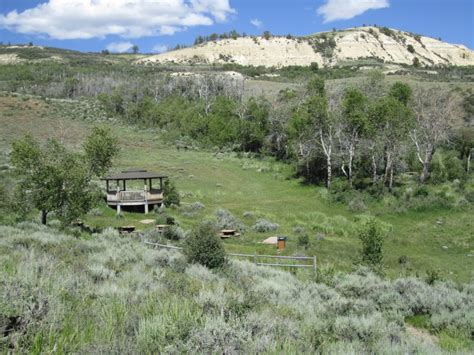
(146, 207)
(314, 264)
(118, 208)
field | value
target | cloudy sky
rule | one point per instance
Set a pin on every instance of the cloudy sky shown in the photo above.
(155, 25)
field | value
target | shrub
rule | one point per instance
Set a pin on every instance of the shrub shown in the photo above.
(446, 166)
(192, 209)
(204, 247)
(298, 229)
(248, 214)
(226, 220)
(170, 194)
(357, 205)
(303, 241)
(410, 48)
(173, 233)
(387, 31)
(432, 276)
(262, 226)
(372, 241)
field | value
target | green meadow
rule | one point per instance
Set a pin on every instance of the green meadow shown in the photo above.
(418, 242)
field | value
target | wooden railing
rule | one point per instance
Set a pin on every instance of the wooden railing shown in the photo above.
(255, 258)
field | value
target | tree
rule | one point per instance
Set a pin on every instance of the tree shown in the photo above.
(402, 92)
(170, 194)
(391, 122)
(135, 49)
(372, 240)
(301, 134)
(373, 85)
(354, 126)
(436, 111)
(52, 179)
(314, 67)
(410, 48)
(100, 148)
(266, 35)
(323, 127)
(253, 124)
(416, 62)
(315, 86)
(464, 143)
(204, 247)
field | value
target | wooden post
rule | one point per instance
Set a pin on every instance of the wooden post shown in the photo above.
(314, 264)
(107, 185)
(145, 192)
(44, 215)
(124, 185)
(161, 183)
(118, 208)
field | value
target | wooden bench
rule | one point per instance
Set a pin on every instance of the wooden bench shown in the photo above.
(126, 229)
(228, 233)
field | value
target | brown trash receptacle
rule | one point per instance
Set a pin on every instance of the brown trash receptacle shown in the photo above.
(281, 243)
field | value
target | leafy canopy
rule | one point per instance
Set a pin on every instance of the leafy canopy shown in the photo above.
(100, 149)
(54, 179)
(204, 247)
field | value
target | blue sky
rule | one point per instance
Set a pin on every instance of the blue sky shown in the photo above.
(154, 25)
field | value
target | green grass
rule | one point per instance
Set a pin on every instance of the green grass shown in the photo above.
(265, 188)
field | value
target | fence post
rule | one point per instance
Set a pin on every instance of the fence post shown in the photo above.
(314, 264)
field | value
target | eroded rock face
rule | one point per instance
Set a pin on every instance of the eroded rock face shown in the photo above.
(326, 49)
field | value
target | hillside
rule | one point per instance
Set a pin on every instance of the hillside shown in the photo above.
(28, 54)
(110, 294)
(326, 49)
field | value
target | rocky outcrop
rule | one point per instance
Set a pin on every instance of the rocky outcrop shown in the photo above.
(326, 49)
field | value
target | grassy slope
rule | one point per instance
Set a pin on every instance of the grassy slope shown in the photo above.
(112, 294)
(264, 188)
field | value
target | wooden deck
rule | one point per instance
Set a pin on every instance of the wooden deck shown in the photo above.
(134, 197)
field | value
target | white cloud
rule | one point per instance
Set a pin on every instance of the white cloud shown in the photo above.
(256, 22)
(119, 47)
(82, 19)
(346, 9)
(159, 48)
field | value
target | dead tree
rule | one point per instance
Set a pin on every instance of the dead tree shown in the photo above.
(436, 111)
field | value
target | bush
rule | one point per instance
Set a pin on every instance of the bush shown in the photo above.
(262, 226)
(173, 233)
(357, 205)
(170, 194)
(447, 166)
(303, 241)
(372, 241)
(204, 247)
(192, 209)
(226, 220)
